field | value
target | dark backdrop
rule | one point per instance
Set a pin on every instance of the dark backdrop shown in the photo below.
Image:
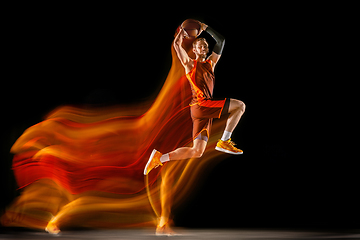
(277, 59)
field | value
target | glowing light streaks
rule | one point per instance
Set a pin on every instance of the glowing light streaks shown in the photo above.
(84, 167)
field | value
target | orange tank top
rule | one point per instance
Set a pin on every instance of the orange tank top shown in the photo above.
(202, 81)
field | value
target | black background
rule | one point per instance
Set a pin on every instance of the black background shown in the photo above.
(278, 59)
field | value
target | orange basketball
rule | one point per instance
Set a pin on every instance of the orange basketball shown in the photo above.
(192, 28)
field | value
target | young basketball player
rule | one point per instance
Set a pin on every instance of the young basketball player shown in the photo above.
(200, 73)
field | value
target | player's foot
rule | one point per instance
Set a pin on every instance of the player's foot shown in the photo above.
(165, 231)
(154, 162)
(52, 228)
(228, 147)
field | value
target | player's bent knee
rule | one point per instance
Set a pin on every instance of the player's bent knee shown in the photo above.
(242, 106)
(197, 153)
(237, 105)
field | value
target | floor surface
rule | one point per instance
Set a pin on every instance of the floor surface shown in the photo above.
(193, 234)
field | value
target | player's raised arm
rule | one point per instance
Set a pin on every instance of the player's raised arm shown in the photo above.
(180, 51)
(219, 46)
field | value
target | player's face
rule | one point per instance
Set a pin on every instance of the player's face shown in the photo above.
(201, 48)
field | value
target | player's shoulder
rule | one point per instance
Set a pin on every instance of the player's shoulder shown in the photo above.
(209, 61)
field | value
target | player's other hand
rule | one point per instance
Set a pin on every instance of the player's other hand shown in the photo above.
(203, 26)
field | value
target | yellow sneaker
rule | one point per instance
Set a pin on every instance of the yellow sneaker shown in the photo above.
(228, 147)
(154, 162)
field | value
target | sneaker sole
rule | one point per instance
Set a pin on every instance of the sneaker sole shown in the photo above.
(150, 158)
(227, 151)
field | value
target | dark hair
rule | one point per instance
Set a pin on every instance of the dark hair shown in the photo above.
(198, 40)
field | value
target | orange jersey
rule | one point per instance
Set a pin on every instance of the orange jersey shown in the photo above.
(202, 80)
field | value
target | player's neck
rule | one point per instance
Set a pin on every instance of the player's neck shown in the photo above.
(201, 58)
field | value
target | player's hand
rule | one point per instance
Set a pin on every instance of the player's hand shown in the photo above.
(181, 32)
(203, 26)
(184, 33)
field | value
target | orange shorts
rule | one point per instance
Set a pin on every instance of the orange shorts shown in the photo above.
(203, 113)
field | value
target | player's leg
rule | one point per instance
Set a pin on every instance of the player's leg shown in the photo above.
(236, 110)
(167, 176)
(166, 198)
(196, 151)
(157, 159)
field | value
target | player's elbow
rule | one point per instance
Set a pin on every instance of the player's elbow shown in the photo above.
(221, 40)
(219, 46)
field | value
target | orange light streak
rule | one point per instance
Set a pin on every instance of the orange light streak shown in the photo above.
(84, 167)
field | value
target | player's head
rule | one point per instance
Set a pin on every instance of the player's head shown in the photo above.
(200, 47)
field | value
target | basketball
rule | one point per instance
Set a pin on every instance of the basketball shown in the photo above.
(192, 28)
(191, 33)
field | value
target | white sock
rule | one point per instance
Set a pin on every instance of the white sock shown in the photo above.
(165, 158)
(226, 136)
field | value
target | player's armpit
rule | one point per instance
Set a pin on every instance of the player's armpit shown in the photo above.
(214, 58)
